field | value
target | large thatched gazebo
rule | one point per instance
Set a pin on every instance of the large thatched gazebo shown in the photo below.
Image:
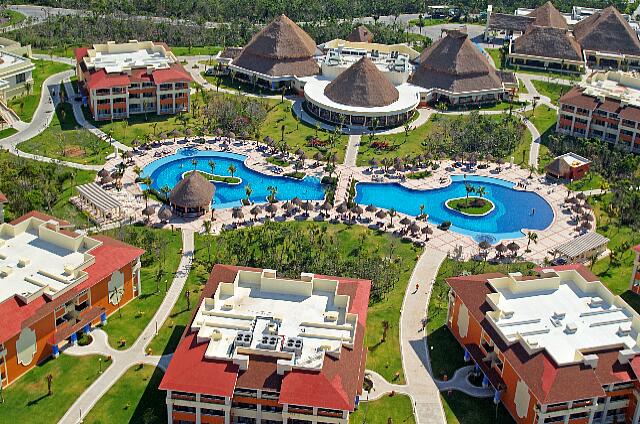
(360, 34)
(359, 96)
(547, 48)
(192, 195)
(275, 55)
(455, 71)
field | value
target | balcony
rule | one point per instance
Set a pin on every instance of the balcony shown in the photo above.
(73, 325)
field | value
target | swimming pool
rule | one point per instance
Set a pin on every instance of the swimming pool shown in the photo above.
(514, 211)
(168, 170)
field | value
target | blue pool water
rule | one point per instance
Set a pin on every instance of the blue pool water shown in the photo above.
(512, 213)
(169, 169)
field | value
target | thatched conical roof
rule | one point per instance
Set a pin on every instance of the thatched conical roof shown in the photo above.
(360, 34)
(607, 31)
(454, 64)
(362, 85)
(548, 42)
(279, 49)
(193, 191)
(547, 15)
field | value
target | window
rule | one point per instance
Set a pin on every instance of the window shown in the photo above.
(269, 408)
(242, 405)
(182, 408)
(212, 412)
(20, 78)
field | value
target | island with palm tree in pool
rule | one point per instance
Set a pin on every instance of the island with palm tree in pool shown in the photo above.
(471, 205)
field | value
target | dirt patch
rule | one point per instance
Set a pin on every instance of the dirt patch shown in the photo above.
(73, 151)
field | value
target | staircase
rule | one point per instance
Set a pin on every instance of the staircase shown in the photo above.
(7, 114)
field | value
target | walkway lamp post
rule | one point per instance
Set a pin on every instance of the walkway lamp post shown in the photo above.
(166, 285)
(99, 365)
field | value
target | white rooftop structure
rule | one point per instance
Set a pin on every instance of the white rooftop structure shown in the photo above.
(37, 258)
(562, 313)
(296, 321)
(123, 57)
(623, 86)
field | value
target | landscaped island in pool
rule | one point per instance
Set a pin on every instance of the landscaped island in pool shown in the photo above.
(514, 210)
(168, 170)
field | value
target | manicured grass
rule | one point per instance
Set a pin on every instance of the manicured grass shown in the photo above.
(617, 274)
(25, 106)
(7, 132)
(134, 399)
(131, 319)
(427, 22)
(27, 400)
(195, 50)
(522, 89)
(296, 132)
(220, 178)
(14, 17)
(65, 140)
(462, 409)
(544, 118)
(383, 357)
(472, 206)
(277, 161)
(591, 181)
(495, 56)
(388, 409)
(521, 152)
(551, 90)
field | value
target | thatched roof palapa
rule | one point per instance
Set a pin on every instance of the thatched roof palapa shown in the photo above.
(607, 31)
(454, 64)
(360, 34)
(281, 48)
(548, 42)
(504, 21)
(547, 15)
(362, 85)
(193, 191)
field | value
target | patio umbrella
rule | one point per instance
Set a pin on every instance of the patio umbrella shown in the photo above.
(128, 154)
(381, 214)
(342, 208)
(400, 167)
(296, 201)
(299, 151)
(586, 226)
(188, 132)
(135, 142)
(357, 209)
(500, 161)
(267, 139)
(371, 208)
(271, 208)
(237, 213)
(148, 211)
(318, 156)
(374, 162)
(103, 173)
(414, 227)
(244, 135)
(106, 179)
(501, 249)
(219, 132)
(405, 221)
(513, 247)
(489, 157)
(165, 214)
(307, 206)
(484, 245)
(326, 207)
(571, 200)
(427, 231)
(231, 135)
(587, 217)
(163, 135)
(256, 210)
(586, 206)
(581, 196)
(289, 207)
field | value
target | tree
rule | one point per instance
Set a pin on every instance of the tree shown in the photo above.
(165, 190)
(248, 190)
(481, 191)
(468, 188)
(272, 193)
(49, 384)
(531, 237)
(232, 169)
(212, 166)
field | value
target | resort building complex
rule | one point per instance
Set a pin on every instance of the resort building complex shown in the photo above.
(119, 80)
(55, 283)
(544, 38)
(15, 70)
(635, 275)
(263, 348)
(558, 347)
(605, 106)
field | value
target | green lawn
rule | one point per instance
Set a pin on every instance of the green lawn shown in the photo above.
(467, 206)
(25, 106)
(131, 320)
(134, 399)
(522, 89)
(296, 132)
(395, 409)
(544, 118)
(65, 140)
(521, 152)
(383, 357)
(591, 181)
(427, 22)
(14, 17)
(27, 401)
(495, 56)
(462, 409)
(551, 90)
(7, 132)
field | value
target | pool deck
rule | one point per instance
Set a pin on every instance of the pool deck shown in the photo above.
(456, 245)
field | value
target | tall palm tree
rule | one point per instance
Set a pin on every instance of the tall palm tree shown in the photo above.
(232, 169)
(421, 211)
(272, 193)
(480, 191)
(531, 237)
(212, 166)
(392, 213)
(165, 190)
(469, 189)
(194, 162)
(248, 190)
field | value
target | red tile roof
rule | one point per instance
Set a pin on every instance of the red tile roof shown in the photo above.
(631, 113)
(96, 80)
(175, 73)
(80, 53)
(582, 270)
(3, 198)
(636, 248)
(335, 387)
(42, 216)
(576, 98)
(111, 256)
(548, 382)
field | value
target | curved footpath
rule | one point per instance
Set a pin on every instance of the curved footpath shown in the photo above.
(125, 359)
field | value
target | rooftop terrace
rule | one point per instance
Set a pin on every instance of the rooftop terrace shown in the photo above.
(563, 314)
(116, 58)
(296, 321)
(37, 257)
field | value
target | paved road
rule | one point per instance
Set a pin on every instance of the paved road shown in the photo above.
(123, 360)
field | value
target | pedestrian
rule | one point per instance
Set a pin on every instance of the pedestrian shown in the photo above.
(417, 288)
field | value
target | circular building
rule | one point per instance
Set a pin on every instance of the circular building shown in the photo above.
(276, 55)
(192, 195)
(360, 96)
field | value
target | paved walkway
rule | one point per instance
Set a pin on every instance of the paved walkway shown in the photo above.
(351, 155)
(125, 359)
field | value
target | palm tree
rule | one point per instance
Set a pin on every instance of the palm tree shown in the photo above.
(165, 190)
(469, 189)
(194, 162)
(232, 169)
(212, 166)
(531, 237)
(392, 213)
(282, 128)
(248, 190)
(272, 193)
(146, 181)
(481, 191)
(421, 211)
